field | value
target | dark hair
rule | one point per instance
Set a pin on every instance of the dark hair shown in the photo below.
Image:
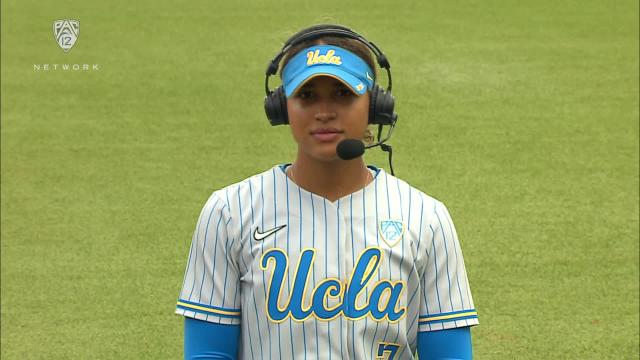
(350, 44)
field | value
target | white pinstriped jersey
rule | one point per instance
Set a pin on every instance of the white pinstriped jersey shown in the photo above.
(308, 278)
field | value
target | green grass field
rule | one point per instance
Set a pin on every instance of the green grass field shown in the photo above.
(521, 116)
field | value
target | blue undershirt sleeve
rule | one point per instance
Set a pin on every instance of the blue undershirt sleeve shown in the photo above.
(204, 340)
(450, 344)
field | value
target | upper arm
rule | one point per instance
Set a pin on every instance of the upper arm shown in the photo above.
(210, 287)
(446, 300)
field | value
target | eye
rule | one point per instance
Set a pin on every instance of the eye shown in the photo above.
(304, 94)
(344, 92)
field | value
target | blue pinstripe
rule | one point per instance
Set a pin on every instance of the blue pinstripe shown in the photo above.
(213, 286)
(411, 299)
(304, 334)
(339, 270)
(415, 319)
(420, 233)
(444, 240)
(195, 263)
(264, 283)
(456, 252)
(275, 244)
(426, 303)
(375, 188)
(245, 306)
(226, 271)
(288, 252)
(353, 261)
(253, 257)
(224, 293)
(364, 231)
(386, 183)
(313, 242)
(326, 267)
(241, 244)
(403, 239)
(424, 278)
(213, 270)
(215, 249)
(435, 262)
(192, 247)
(418, 248)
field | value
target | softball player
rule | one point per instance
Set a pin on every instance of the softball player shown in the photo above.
(326, 258)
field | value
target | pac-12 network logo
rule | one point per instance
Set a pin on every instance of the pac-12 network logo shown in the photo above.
(66, 33)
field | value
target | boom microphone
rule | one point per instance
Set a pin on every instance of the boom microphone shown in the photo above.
(350, 149)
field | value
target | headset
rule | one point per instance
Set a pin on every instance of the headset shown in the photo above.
(382, 101)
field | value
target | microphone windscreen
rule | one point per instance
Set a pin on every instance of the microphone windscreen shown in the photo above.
(350, 149)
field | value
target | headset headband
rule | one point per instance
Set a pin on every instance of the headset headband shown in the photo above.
(329, 30)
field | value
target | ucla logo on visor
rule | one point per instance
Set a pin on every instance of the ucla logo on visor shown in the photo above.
(314, 57)
(327, 60)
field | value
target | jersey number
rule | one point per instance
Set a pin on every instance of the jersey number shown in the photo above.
(391, 349)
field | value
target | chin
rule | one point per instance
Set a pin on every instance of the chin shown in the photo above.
(327, 157)
(324, 154)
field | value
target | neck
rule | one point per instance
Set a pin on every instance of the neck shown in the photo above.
(330, 179)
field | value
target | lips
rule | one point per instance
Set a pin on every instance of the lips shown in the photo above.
(326, 131)
(326, 134)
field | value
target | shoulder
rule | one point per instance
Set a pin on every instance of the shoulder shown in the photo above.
(404, 189)
(411, 196)
(239, 192)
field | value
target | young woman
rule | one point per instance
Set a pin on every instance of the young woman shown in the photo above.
(326, 258)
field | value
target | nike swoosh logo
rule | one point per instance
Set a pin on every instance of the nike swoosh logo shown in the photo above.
(262, 235)
(369, 76)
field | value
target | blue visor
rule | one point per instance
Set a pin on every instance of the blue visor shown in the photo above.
(328, 60)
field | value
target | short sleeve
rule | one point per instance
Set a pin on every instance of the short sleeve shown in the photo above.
(446, 300)
(210, 290)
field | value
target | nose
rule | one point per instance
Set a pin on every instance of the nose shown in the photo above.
(325, 111)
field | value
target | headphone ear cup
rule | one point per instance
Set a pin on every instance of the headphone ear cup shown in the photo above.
(269, 108)
(381, 107)
(372, 104)
(282, 107)
(275, 106)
